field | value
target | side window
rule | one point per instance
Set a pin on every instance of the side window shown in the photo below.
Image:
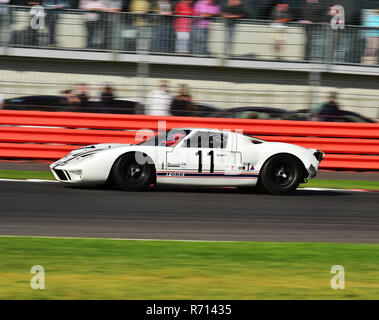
(197, 140)
(17, 100)
(217, 140)
(212, 140)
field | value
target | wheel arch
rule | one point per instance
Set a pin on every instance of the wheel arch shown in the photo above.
(300, 161)
(147, 157)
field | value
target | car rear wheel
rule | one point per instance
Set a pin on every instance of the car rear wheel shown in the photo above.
(281, 174)
(128, 174)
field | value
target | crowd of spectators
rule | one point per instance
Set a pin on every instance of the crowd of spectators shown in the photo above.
(79, 99)
(160, 102)
(183, 25)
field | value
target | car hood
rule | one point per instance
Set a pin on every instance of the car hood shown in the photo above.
(96, 147)
(88, 150)
(284, 147)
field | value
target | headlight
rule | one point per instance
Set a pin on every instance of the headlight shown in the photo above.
(76, 172)
(319, 155)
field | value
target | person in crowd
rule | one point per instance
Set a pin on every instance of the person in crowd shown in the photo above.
(280, 15)
(182, 26)
(126, 30)
(52, 14)
(1, 101)
(94, 21)
(313, 12)
(111, 26)
(371, 53)
(231, 11)
(140, 8)
(125, 5)
(73, 102)
(206, 9)
(5, 21)
(107, 97)
(83, 96)
(338, 41)
(30, 35)
(330, 110)
(158, 101)
(181, 105)
(163, 25)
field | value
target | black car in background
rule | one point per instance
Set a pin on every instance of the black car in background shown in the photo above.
(252, 113)
(37, 103)
(341, 116)
(269, 113)
(134, 106)
(61, 103)
(117, 106)
(204, 110)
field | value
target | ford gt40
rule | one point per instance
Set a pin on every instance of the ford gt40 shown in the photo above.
(192, 156)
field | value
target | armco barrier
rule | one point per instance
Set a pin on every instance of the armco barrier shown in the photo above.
(50, 135)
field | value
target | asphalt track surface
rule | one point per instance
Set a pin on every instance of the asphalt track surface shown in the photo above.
(51, 209)
(322, 174)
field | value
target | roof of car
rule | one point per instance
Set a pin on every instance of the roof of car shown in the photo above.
(200, 129)
(36, 97)
(258, 109)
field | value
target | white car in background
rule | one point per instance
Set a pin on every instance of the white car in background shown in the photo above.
(192, 156)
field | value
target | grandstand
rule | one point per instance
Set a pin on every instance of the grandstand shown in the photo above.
(313, 58)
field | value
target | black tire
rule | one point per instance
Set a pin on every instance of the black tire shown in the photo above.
(281, 174)
(128, 175)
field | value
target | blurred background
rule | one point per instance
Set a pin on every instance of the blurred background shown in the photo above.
(248, 59)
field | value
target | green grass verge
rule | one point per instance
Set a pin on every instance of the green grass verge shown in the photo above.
(15, 174)
(111, 269)
(337, 184)
(342, 184)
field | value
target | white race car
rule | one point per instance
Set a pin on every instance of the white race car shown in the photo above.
(191, 156)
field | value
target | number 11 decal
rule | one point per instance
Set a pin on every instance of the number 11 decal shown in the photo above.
(211, 154)
(200, 167)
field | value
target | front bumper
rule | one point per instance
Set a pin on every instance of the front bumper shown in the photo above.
(312, 171)
(67, 174)
(313, 168)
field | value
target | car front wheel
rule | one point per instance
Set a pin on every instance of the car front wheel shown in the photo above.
(281, 174)
(128, 174)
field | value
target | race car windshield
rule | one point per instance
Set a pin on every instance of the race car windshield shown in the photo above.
(169, 138)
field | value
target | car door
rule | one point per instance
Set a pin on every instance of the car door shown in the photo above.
(202, 158)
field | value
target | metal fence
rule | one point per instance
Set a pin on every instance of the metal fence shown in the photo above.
(186, 35)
